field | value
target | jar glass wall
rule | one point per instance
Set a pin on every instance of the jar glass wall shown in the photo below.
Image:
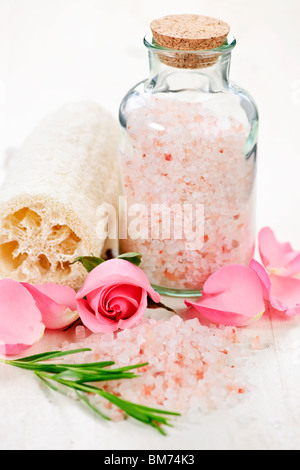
(188, 165)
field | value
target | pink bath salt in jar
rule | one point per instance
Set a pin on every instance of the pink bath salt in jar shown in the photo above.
(188, 158)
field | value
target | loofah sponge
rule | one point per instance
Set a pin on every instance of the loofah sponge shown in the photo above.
(49, 200)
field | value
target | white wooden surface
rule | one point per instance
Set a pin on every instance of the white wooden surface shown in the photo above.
(267, 417)
(53, 51)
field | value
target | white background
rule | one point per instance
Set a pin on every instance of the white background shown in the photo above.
(54, 51)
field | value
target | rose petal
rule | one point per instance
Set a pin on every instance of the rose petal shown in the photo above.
(263, 276)
(98, 300)
(285, 294)
(232, 296)
(131, 293)
(127, 297)
(279, 258)
(62, 295)
(94, 324)
(122, 308)
(20, 320)
(102, 323)
(130, 322)
(56, 303)
(116, 296)
(282, 292)
(117, 272)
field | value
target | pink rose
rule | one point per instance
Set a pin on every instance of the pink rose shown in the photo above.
(114, 296)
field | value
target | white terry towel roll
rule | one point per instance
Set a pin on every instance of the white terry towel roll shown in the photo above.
(49, 200)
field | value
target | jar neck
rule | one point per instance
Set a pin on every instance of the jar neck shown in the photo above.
(207, 73)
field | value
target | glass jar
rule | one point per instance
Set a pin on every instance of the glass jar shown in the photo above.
(188, 165)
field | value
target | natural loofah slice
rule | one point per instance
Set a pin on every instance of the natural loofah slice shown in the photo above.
(49, 200)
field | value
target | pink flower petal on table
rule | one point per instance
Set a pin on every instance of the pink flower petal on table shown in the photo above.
(117, 272)
(282, 292)
(20, 319)
(56, 303)
(62, 295)
(233, 296)
(285, 294)
(263, 276)
(277, 257)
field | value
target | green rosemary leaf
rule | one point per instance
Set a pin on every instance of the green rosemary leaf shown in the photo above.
(154, 410)
(92, 365)
(158, 419)
(80, 372)
(86, 377)
(73, 375)
(52, 368)
(93, 408)
(141, 414)
(50, 385)
(89, 262)
(127, 407)
(109, 377)
(80, 396)
(124, 369)
(50, 355)
(158, 428)
(132, 257)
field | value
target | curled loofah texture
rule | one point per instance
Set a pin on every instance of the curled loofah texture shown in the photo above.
(49, 201)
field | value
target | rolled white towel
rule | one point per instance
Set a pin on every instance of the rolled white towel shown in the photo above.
(49, 200)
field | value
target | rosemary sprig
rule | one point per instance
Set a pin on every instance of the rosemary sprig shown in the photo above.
(79, 377)
(50, 355)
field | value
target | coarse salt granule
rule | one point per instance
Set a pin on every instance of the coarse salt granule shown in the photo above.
(192, 368)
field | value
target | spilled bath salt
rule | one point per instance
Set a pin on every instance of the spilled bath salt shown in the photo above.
(177, 152)
(192, 368)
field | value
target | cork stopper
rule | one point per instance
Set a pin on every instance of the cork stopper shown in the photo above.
(189, 33)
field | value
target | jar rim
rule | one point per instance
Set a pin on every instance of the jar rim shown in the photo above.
(227, 47)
